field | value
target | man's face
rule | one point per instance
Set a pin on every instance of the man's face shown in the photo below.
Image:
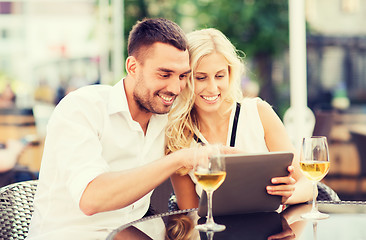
(160, 78)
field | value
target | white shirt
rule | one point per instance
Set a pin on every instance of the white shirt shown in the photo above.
(90, 132)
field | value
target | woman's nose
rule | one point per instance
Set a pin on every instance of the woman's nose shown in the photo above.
(212, 85)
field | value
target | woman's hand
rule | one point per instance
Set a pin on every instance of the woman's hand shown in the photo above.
(283, 186)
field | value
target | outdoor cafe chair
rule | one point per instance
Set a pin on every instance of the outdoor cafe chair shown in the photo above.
(16, 208)
(325, 193)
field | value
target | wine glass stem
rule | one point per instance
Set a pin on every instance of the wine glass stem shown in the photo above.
(210, 235)
(209, 211)
(315, 230)
(315, 205)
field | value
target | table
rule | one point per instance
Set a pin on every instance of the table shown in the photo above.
(18, 126)
(347, 221)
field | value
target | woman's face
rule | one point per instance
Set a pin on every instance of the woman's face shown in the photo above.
(211, 78)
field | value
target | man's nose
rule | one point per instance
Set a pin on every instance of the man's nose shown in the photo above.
(175, 86)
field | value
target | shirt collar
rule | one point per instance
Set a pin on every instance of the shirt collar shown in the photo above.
(118, 103)
(118, 99)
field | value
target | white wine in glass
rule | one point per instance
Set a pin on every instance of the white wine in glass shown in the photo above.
(210, 181)
(210, 174)
(314, 164)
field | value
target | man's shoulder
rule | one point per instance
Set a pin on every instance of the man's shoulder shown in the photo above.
(90, 93)
(92, 89)
(88, 98)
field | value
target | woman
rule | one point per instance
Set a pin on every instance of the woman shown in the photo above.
(211, 109)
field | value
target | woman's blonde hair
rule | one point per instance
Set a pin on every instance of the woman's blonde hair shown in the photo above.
(182, 118)
(179, 227)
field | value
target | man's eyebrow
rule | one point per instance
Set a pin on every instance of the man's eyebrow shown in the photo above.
(189, 71)
(165, 70)
(171, 71)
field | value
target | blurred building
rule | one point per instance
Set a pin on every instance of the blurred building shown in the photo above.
(336, 53)
(48, 42)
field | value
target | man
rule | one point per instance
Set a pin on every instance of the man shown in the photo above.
(104, 150)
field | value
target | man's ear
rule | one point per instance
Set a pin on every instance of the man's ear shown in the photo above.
(131, 65)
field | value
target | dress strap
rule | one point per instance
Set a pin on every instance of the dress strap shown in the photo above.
(235, 125)
(197, 139)
(233, 132)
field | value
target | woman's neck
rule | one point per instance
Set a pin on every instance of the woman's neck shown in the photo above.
(214, 125)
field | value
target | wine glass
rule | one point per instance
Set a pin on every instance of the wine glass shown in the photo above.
(314, 164)
(210, 174)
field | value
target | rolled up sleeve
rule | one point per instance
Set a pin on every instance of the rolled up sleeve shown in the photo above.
(73, 137)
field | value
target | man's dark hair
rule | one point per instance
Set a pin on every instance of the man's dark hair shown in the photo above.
(149, 31)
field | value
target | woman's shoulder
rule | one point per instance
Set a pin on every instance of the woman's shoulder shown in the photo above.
(258, 107)
(255, 102)
(251, 100)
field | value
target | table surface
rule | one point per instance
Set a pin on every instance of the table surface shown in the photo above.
(18, 127)
(347, 221)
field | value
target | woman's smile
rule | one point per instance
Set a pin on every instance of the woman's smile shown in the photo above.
(211, 99)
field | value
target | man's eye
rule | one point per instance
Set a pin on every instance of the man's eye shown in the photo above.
(183, 76)
(164, 75)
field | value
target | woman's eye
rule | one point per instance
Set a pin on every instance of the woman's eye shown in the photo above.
(200, 78)
(220, 76)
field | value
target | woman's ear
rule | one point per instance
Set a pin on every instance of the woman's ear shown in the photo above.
(131, 64)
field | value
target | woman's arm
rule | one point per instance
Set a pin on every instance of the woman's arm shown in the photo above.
(277, 140)
(185, 191)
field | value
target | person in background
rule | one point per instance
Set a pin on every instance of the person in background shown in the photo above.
(9, 155)
(44, 93)
(104, 149)
(7, 97)
(212, 110)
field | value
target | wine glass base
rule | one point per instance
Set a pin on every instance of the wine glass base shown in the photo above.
(314, 216)
(214, 227)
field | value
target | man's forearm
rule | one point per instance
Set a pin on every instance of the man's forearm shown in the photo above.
(116, 190)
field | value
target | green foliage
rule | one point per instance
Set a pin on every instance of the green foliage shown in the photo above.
(139, 9)
(255, 27)
(259, 28)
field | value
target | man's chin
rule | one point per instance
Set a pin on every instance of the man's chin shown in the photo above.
(163, 110)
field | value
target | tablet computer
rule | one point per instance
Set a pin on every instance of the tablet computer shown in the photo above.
(244, 189)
